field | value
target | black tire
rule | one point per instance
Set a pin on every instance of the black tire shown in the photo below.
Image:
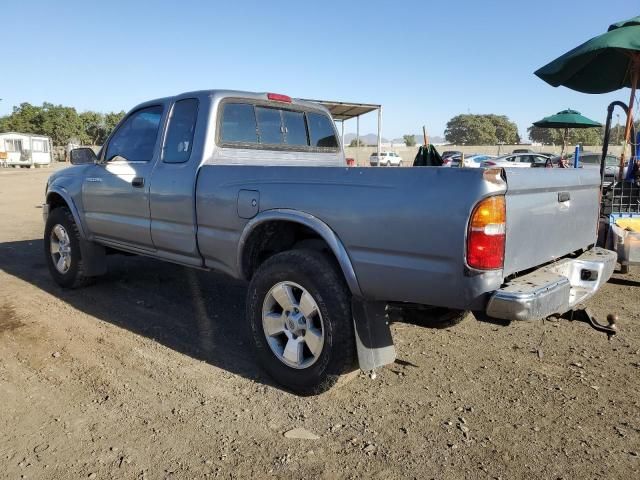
(321, 278)
(74, 277)
(436, 317)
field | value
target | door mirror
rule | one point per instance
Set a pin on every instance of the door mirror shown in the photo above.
(83, 156)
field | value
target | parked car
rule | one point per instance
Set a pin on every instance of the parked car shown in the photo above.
(475, 160)
(211, 180)
(592, 160)
(523, 150)
(519, 160)
(446, 157)
(387, 159)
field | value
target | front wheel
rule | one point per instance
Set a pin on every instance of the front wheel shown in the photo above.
(62, 249)
(299, 313)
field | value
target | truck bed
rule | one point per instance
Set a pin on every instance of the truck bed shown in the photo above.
(405, 229)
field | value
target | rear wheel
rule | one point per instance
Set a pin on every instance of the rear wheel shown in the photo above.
(62, 249)
(299, 313)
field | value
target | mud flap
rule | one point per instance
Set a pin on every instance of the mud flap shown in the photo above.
(374, 343)
(94, 258)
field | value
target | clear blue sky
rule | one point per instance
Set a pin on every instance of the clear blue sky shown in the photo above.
(423, 61)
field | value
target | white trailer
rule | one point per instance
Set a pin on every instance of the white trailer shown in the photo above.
(25, 150)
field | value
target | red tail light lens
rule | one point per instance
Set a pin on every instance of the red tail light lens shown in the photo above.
(278, 97)
(486, 236)
(489, 163)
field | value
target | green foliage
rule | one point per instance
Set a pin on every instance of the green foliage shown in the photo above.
(409, 140)
(616, 135)
(356, 142)
(584, 136)
(472, 129)
(506, 130)
(60, 123)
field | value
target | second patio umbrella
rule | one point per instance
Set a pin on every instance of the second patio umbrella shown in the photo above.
(566, 119)
(603, 64)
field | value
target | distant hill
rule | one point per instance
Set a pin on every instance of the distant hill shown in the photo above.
(432, 139)
(372, 139)
(368, 139)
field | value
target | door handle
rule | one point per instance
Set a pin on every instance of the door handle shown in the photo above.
(137, 182)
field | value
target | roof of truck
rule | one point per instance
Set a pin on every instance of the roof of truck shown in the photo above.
(219, 94)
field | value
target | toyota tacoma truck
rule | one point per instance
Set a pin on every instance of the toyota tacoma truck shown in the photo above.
(255, 185)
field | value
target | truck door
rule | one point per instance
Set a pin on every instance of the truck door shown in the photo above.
(115, 192)
(172, 188)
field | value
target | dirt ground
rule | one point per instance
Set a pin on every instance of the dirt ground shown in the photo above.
(148, 374)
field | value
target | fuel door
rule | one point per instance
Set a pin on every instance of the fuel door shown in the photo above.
(248, 203)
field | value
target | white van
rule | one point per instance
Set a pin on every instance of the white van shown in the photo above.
(25, 149)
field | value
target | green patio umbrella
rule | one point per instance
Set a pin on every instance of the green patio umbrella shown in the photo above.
(566, 119)
(605, 63)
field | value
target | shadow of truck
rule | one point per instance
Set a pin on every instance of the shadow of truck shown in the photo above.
(199, 314)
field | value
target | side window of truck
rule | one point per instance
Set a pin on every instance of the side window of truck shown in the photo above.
(182, 124)
(321, 131)
(136, 138)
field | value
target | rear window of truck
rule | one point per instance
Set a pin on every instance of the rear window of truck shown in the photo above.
(245, 124)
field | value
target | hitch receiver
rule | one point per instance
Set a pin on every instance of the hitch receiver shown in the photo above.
(585, 315)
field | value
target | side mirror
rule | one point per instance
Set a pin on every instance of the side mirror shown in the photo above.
(83, 156)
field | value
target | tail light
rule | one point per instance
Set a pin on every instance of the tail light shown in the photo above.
(446, 161)
(486, 236)
(489, 163)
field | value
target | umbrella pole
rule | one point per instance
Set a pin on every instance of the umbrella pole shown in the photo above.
(564, 144)
(635, 67)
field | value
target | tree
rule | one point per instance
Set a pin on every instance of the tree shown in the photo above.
(111, 120)
(25, 118)
(61, 123)
(616, 134)
(409, 140)
(356, 142)
(546, 136)
(506, 130)
(488, 129)
(468, 129)
(584, 136)
(94, 128)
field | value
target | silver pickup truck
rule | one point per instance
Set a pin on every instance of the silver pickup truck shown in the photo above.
(255, 185)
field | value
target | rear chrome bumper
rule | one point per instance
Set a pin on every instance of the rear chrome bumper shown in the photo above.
(554, 288)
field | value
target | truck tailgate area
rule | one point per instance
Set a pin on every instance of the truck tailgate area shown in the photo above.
(550, 213)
